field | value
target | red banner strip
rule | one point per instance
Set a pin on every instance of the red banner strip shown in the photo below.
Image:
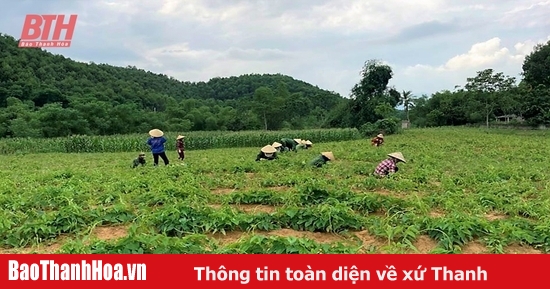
(272, 271)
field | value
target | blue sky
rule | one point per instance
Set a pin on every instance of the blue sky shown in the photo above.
(430, 44)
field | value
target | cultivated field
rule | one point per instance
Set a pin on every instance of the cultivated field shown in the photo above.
(461, 191)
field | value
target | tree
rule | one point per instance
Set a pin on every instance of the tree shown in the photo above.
(371, 91)
(536, 66)
(407, 101)
(488, 90)
(536, 85)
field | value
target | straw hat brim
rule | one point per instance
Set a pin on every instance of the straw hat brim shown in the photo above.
(276, 145)
(268, 149)
(329, 155)
(398, 156)
(380, 136)
(308, 142)
(297, 140)
(156, 133)
(180, 137)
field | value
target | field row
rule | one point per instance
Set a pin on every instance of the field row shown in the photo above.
(193, 141)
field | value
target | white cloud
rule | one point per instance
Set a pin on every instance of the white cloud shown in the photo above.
(488, 54)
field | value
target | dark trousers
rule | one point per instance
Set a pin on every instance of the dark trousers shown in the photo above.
(181, 155)
(163, 156)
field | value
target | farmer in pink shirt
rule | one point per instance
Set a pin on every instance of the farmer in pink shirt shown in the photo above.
(389, 165)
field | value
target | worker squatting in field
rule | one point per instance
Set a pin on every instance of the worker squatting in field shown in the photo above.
(269, 152)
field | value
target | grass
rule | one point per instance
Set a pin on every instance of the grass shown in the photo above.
(462, 190)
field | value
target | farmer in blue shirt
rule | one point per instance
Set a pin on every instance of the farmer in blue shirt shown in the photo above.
(156, 142)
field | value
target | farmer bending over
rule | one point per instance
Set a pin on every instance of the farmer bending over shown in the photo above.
(267, 153)
(389, 165)
(290, 144)
(140, 160)
(322, 159)
(278, 146)
(377, 140)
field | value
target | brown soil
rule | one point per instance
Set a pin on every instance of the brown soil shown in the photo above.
(368, 239)
(228, 238)
(383, 192)
(279, 188)
(494, 216)
(110, 233)
(315, 236)
(223, 191)
(474, 247)
(256, 208)
(518, 249)
(436, 214)
(232, 237)
(424, 244)
(250, 175)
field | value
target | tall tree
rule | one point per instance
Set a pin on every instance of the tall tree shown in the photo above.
(488, 89)
(407, 102)
(371, 91)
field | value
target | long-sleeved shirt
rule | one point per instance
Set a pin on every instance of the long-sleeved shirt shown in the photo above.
(288, 143)
(156, 144)
(262, 155)
(386, 167)
(180, 145)
(319, 161)
(137, 162)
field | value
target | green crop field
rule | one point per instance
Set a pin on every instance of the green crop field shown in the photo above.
(462, 190)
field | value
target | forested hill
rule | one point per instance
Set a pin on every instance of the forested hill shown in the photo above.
(48, 95)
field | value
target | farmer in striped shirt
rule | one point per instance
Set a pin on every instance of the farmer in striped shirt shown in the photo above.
(389, 165)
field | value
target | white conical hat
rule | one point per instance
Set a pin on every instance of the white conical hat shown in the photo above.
(329, 155)
(276, 145)
(398, 155)
(268, 149)
(308, 142)
(156, 133)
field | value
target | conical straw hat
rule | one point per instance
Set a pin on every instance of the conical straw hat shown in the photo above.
(398, 155)
(308, 142)
(276, 145)
(380, 136)
(329, 155)
(297, 140)
(180, 137)
(268, 149)
(156, 133)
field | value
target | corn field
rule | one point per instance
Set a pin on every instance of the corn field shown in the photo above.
(193, 141)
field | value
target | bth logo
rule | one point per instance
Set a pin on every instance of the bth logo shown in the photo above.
(37, 29)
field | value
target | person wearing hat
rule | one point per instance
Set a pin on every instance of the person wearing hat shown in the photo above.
(267, 153)
(278, 147)
(290, 144)
(307, 144)
(140, 160)
(156, 142)
(322, 159)
(180, 147)
(377, 140)
(389, 165)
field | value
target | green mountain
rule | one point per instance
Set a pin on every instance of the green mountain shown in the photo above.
(48, 95)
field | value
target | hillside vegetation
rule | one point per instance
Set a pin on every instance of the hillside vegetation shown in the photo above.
(48, 95)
